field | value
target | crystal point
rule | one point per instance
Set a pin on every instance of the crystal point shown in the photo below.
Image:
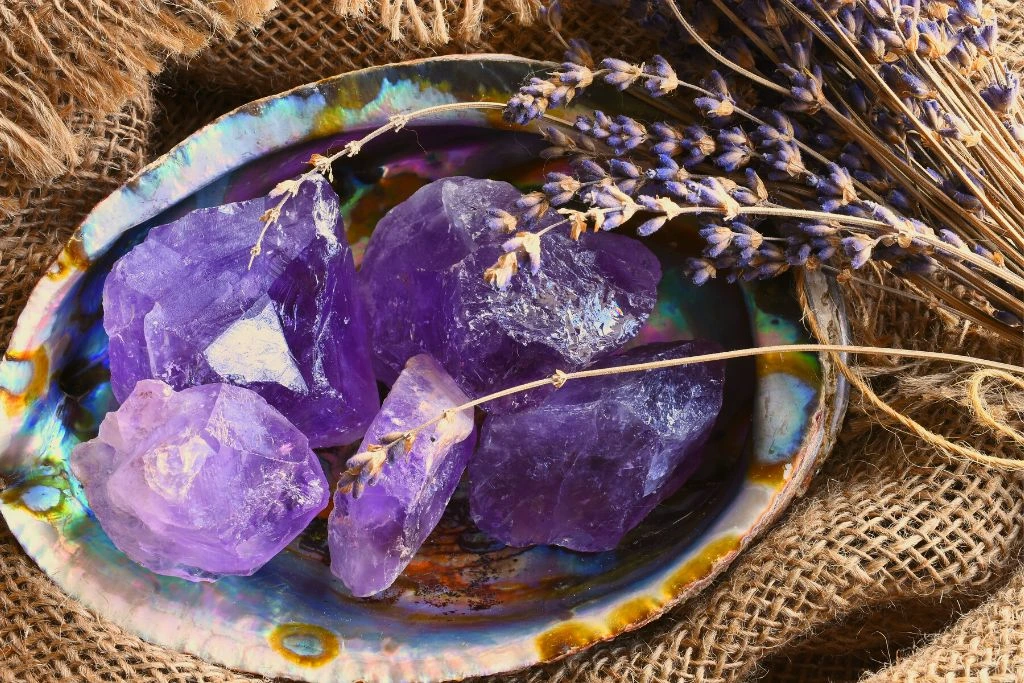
(589, 463)
(202, 483)
(184, 306)
(372, 538)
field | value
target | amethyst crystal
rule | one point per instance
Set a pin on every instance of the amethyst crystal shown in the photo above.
(423, 281)
(185, 307)
(588, 299)
(406, 259)
(199, 484)
(372, 538)
(588, 464)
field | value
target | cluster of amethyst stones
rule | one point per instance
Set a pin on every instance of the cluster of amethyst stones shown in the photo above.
(231, 369)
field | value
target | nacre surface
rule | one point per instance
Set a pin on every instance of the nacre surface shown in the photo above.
(464, 605)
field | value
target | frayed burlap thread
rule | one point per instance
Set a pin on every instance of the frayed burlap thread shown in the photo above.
(305, 41)
(65, 58)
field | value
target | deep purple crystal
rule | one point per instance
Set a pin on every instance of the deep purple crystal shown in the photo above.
(206, 482)
(185, 307)
(588, 299)
(372, 538)
(589, 463)
(423, 281)
(409, 252)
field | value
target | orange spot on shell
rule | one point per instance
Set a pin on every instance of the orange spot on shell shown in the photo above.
(566, 638)
(40, 368)
(304, 644)
(633, 613)
(770, 474)
(700, 567)
(72, 257)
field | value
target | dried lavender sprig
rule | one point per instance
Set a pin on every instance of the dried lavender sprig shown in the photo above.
(365, 468)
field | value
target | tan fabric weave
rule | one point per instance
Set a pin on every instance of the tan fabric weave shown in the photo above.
(892, 547)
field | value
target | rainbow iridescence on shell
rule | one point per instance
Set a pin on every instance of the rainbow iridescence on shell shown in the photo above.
(463, 607)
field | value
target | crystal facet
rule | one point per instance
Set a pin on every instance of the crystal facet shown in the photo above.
(588, 299)
(372, 538)
(185, 307)
(409, 251)
(423, 281)
(589, 463)
(202, 483)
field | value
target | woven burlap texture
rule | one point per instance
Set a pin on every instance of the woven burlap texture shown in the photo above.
(898, 561)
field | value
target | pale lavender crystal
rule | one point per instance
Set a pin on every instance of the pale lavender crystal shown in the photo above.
(409, 251)
(203, 483)
(372, 538)
(589, 463)
(185, 307)
(588, 299)
(423, 281)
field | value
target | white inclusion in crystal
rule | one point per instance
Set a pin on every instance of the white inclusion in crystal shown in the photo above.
(325, 218)
(254, 350)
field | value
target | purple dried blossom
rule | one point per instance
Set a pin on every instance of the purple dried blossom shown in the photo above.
(807, 90)
(560, 188)
(621, 74)
(718, 103)
(660, 77)
(1003, 98)
(736, 149)
(667, 140)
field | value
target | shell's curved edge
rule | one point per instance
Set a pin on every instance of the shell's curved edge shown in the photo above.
(350, 102)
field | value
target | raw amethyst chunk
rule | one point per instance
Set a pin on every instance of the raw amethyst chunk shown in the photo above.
(206, 482)
(588, 299)
(423, 280)
(590, 462)
(406, 259)
(185, 307)
(372, 538)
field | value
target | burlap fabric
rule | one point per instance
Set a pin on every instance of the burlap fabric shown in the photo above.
(898, 564)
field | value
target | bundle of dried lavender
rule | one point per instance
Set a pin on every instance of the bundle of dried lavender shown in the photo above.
(833, 134)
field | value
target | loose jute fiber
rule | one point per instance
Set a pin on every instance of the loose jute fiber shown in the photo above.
(899, 564)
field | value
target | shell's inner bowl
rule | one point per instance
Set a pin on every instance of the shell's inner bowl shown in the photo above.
(465, 605)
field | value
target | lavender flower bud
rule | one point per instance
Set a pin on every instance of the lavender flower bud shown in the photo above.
(719, 104)
(951, 238)
(698, 144)
(736, 149)
(621, 74)
(588, 169)
(651, 226)
(667, 170)
(700, 270)
(858, 249)
(780, 130)
(661, 78)
(1003, 98)
(786, 161)
(668, 139)
(560, 188)
(807, 89)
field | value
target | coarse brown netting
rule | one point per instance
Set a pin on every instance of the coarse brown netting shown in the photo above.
(898, 564)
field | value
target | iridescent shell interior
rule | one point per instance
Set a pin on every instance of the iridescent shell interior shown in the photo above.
(465, 605)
